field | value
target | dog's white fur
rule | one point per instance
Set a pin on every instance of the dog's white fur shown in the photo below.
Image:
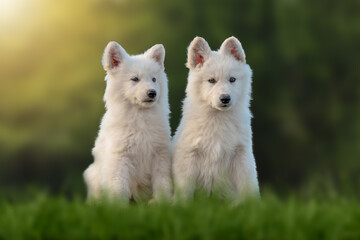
(212, 147)
(132, 150)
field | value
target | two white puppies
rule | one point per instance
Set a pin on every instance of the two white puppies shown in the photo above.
(212, 148)
(132, 150)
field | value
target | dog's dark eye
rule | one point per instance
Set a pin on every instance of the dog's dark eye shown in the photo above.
(211, 80)
(232, 79)
(135, 79)
(154, 79)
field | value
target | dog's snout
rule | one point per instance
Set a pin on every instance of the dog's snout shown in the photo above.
(151, 93)
(225, 98)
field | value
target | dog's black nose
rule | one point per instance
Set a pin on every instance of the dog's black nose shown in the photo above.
(151, 93)
(225, 98)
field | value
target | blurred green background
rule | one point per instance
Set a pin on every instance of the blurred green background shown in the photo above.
(306, 84)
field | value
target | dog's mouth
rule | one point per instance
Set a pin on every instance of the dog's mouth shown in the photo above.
(224, 107)
(149, 101)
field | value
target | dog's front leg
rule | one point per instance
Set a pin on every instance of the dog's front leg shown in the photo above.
(185, 173)
(117, 177)
(93, 182)
(161, 175)
(243, 175)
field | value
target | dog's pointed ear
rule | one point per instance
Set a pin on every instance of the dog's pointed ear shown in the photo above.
(114, 56)
(157, 53)
(232, 47)
(198, 53)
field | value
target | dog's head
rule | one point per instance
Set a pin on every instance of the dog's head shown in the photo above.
(221, 78)
(138, 79)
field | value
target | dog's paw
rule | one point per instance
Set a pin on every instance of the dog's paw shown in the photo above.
(152, 201)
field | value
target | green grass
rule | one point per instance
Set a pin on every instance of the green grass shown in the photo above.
(292, 218)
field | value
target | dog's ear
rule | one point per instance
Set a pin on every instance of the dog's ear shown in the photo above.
(114, 55)
(157, 53)
(198, 53)
(232, 47)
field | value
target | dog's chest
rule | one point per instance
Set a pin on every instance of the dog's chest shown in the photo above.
(214, 143)
(140, 135)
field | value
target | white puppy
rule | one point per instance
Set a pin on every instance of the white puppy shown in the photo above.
(212, 148)
(132, 151)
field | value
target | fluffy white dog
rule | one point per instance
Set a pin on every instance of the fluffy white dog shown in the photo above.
(132, 150)
(212, 148)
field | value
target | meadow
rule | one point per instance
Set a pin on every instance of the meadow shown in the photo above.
(291, 217)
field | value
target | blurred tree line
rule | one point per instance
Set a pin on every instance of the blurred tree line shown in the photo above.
(306, 88)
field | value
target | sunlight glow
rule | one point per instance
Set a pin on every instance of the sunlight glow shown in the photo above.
(8, 8)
